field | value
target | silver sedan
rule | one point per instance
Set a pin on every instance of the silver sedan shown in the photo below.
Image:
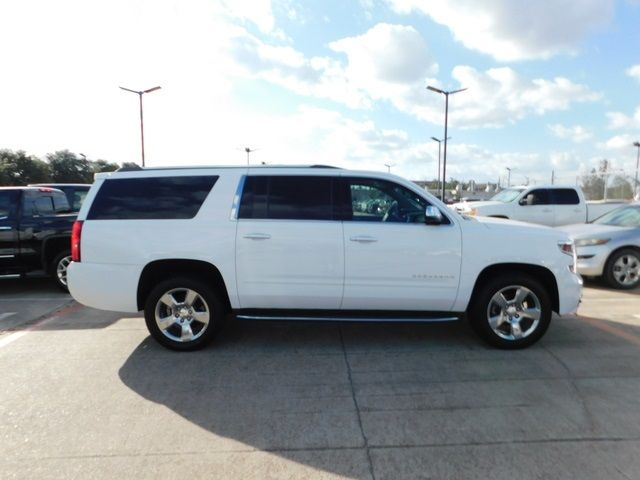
(610, 246)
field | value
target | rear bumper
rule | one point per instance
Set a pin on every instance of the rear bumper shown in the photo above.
(105, 287)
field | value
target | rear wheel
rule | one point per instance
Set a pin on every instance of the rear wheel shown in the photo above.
(623, 269)
(59, 268)
(511, 311)
(183, 313)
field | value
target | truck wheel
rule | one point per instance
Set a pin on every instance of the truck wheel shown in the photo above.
(623, 269)
(511, 311)
(183, 313)
(59, 268)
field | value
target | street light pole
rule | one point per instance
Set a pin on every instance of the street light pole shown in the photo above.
(635, 186)
(508, 177)
(140, 93)
(446, 123)
(388, 165)
(439, 142)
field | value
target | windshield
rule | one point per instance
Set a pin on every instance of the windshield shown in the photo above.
(621, 217)
(507, 195)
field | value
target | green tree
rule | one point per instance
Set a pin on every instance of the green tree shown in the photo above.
(18, 169)
(66, 167)
(100, 166)
(129, 165)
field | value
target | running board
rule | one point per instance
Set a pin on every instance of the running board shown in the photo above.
(348, 316)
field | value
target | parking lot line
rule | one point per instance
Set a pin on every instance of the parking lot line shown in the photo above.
(49, 318)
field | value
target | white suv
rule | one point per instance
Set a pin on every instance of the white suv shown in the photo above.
(191, 245)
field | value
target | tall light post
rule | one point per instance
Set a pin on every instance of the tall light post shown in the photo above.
(508, 177)
(389, 165)
(249, 150)
(446, 121)
(140, 93)
(439, 143)
(635, 185)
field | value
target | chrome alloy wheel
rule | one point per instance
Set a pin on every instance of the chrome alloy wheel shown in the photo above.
(626, 270)
(182, 315)
(61, 269)
(514, 312)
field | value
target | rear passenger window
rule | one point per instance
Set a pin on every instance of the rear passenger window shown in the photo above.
(287, 198)
(565, 196)
(154, 198)
(7, 202)
(43, 206)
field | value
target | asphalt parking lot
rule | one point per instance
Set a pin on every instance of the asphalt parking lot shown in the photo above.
(86, 394)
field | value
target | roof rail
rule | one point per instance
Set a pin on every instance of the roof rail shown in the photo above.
(324, 166)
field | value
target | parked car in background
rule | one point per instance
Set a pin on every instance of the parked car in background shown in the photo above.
(191, 245)
(35, 232)
(550, 205)
(610, 246)
(75, 192)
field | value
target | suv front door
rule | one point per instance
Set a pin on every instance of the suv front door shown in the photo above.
(393, 260)
(289, 248)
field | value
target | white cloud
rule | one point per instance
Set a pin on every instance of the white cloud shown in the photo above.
(634, 72)
(619, 120)
(620, 142)
(391, 63)
(575, 133)
(513, 30)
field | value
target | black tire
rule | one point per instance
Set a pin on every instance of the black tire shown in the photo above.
(58, 269)
(174, 336)
(612, 274)
(485, 305)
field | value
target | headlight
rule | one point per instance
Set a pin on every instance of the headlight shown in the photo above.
(568, 249)
(473, 211)
(588, 242)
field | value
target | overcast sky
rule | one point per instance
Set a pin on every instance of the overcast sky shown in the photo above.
(552, 84)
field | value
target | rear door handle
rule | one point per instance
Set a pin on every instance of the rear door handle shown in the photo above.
(363, 239)
(257, 236)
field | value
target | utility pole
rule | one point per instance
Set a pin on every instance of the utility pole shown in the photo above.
(446, 123)
(552, 176)
(140, 93)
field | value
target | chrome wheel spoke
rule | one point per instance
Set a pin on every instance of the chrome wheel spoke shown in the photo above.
(202, 317)
(531, 313)
(500, 300)
(165, 322)
(516, 331)
(190, 297)
(186, 334)
(168, 300)
(496, 320)
(521, 295)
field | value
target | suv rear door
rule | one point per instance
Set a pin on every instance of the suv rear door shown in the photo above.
(393, 260)
(8, 229)
(289, 247)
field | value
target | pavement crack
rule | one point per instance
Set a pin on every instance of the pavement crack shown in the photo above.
(355, 403)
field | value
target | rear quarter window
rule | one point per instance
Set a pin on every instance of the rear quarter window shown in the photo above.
(151, 198)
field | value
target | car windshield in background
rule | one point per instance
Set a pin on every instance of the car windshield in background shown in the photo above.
(507, 195)
(621, 217)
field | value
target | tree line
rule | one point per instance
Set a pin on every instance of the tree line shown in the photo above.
(17, 168)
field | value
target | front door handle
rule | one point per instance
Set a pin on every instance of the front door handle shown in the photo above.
(363, 239)
(547, 210)
(257, 236)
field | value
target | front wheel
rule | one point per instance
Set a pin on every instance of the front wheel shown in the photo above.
(511, 311)
(623, 269)
(183, 313)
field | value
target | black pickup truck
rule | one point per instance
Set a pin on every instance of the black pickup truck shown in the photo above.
(35, 232)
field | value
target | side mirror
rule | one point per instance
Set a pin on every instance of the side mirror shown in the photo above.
(528, 200)
(432, 216)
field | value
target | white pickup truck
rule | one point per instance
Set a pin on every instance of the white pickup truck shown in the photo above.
(551, 205)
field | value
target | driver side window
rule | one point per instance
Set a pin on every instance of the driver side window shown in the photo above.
(380, 201)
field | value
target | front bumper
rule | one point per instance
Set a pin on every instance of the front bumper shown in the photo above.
(591, 260)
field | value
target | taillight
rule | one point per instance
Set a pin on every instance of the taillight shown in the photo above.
(76, 236)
